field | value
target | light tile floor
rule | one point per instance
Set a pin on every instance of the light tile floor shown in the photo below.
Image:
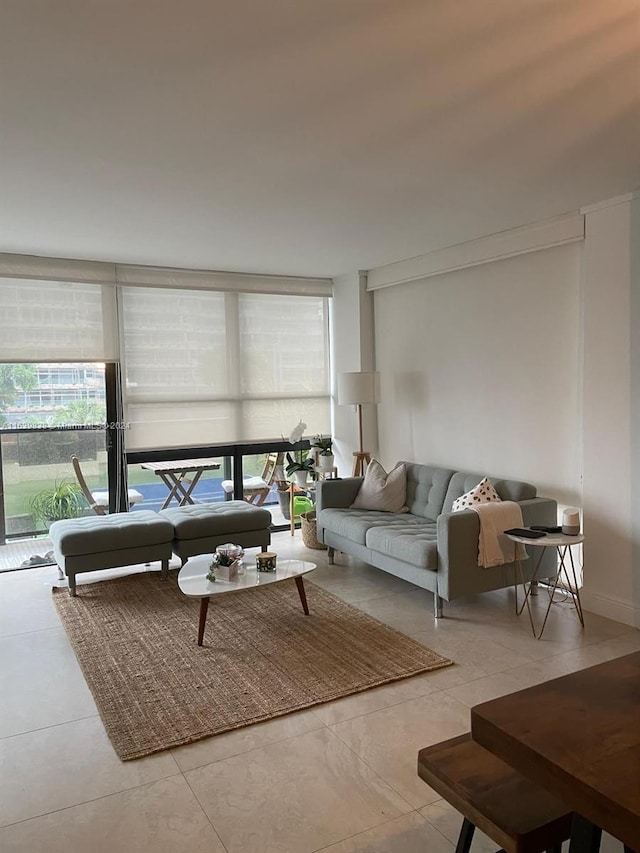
(338, 778)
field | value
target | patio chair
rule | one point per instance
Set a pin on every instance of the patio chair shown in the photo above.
(99, 501)
(256, 489)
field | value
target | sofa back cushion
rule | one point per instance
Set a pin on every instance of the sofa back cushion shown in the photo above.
(508, 490)
(426, 489)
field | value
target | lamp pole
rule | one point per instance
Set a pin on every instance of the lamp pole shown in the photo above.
(361, 458)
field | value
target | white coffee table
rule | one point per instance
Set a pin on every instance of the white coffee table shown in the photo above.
(193, 582)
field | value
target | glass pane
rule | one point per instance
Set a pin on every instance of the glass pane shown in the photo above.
(41, 395)
(155, 492)
(283, 344)
(39, 481)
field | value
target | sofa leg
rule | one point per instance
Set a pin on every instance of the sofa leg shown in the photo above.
(533, 588)
(264, 549)
(437, 606)
(164, 571)
(60, 574)
(330, 555)
(72, 585)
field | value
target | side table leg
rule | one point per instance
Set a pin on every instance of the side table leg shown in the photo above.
(574, 594)
(302, 594)
(204, 606)
(526, 592)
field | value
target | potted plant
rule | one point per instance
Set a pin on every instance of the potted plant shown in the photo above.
(300, 465)
(64, 500)
(224, 567)
(324, 447)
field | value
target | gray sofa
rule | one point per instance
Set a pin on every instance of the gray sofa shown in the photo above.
(429, 546)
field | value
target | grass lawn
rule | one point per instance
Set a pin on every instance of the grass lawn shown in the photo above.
(18, 495)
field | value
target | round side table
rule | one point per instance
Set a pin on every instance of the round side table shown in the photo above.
(562, 543)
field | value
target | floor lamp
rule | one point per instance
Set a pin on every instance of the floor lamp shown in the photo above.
(356, 389)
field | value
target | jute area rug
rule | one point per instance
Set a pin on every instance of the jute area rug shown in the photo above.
(135, 639)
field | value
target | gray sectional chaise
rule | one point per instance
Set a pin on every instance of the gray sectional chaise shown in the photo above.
(429, 546)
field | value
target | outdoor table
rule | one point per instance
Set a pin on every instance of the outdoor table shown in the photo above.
(181, 477)
(578, 737)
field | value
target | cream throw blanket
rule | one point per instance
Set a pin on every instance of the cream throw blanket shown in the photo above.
(494, 548)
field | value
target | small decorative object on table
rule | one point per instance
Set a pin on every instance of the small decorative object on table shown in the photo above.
(223, 567)
(234, 551)
(266, 561)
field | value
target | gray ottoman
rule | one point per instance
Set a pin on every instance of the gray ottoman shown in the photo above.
(200, 528)
(109, 541)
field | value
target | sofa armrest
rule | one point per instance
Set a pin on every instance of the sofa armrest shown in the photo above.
(337, 493)
(458, 532)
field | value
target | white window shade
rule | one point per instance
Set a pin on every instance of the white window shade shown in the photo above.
(283, 345)
(174, 345)
(47, 321)
(276, 418)
(208, 367)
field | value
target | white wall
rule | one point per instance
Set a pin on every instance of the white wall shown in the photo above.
(480, 370)
(352, 349)
(611, 452)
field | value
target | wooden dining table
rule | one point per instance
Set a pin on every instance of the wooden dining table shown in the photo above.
(578, 737)
(181, 477)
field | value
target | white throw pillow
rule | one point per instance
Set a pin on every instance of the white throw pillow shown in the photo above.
(483, 493)
(381, 491)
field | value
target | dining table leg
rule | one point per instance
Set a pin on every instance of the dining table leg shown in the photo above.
(585, 836)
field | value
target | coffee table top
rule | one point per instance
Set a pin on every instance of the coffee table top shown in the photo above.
(192, 578)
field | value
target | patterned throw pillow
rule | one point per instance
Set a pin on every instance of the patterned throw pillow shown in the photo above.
(381, 491)
(483, 493)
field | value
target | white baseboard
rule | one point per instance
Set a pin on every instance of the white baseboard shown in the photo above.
(613, 608)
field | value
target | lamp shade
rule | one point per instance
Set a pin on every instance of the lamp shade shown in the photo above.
(357, 388)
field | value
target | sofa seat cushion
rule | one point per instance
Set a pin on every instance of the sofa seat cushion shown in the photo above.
(354, 524)
(197, 521)
(98, 534)
(414, 543)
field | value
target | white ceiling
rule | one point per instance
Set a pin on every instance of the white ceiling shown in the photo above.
(298, 137)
